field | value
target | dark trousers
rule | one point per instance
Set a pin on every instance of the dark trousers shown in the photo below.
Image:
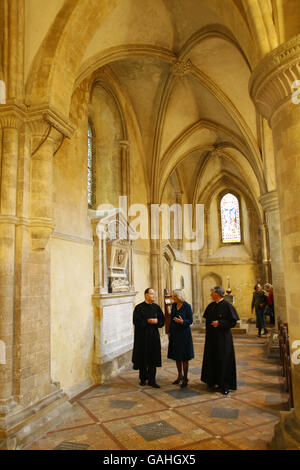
(148, 373)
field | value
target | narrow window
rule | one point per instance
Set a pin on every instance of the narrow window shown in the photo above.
(230, 219)
(91, 176)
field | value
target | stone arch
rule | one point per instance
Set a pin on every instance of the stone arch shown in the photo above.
(56, 63)
(252, 215)
(226, 181)
(110, 139)
(167, 164)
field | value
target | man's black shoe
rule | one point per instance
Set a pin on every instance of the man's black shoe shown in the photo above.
(143, 382)
(224, 392)
(155, 385)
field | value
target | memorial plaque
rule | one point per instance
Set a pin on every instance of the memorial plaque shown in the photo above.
(71, 446)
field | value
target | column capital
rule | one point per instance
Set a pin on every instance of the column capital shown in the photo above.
(269, 201)
(271, 82)
(51, 117)
(11, 117)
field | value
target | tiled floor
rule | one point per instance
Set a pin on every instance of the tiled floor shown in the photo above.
(123, 415)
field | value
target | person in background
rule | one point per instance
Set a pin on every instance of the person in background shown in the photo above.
(269, 310)
(219, 367)
(180, 337)
(146, 355)
(259, 302)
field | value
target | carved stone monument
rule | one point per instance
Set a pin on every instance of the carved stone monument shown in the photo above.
(114, 293)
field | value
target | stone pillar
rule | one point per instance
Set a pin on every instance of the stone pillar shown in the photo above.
(265, 267)
(196, 285)
(10, 123)
(179, 242)
(156, 270)
(269, 202)
(125, 169)
(29, 400)
(32, 379)
(271, 88)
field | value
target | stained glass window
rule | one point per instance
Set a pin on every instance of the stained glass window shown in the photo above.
(91, 189)
(230, 219)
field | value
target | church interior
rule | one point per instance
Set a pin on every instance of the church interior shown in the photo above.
(107, 109)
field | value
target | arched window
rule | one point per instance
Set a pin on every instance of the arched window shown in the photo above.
(230, 219)
(91, 165)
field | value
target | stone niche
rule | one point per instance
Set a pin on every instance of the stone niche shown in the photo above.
(114, 293)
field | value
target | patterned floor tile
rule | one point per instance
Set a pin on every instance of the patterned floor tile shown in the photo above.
(121, 414)
(157, 430)
(116, 387)
(244, 417)
(173, 397)
(76, 416)
(187, 432)
(102, 409)
(93, 436)
(258, 439)
(259, 399)
(122, 404)
(182, 393)
(210, 444)
(227, 413)
(71, 446)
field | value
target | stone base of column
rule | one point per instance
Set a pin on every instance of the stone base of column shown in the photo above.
(22, 426)
(287, 432)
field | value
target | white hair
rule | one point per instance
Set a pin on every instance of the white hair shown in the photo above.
(179, 294)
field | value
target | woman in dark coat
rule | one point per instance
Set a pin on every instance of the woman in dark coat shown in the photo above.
(180, 340)
(259, 302)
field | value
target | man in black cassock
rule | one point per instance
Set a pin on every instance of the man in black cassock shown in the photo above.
(146, 355)
(218, 366)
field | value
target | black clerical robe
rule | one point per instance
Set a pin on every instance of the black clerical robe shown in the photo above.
(146, 347)
(219, 366)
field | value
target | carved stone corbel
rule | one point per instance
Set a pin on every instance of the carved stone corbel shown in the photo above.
(45, 140)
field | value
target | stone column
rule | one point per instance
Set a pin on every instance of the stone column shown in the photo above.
(269, 202)
(32, 379)
(265, 267)
(30, 401)
(179, 242)
(10, 123)
(196, 285)
(125, 169)
(271, 88)
(156, 270)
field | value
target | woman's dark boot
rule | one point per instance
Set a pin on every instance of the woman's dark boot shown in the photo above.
(184, 382)
(178, 380)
